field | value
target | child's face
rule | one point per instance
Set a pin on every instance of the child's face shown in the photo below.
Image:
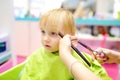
(50, 39)
(51, 23)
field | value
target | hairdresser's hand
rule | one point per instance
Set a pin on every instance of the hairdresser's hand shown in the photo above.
(65, 44)
(109, 56)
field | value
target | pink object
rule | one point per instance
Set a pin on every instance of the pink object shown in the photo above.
(103, 43)
(9, 64)
(112, 69)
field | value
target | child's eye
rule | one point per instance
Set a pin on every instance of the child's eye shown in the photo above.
(53, 34)
(42, 31)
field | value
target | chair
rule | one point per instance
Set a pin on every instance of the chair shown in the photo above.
(13, 73)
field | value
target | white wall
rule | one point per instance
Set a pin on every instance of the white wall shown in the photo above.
(24, 35)
(6, 15)
(103, 8)
(6, 19)
(27, 37)
(6, 24)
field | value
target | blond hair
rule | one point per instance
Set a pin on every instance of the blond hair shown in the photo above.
(59, 19)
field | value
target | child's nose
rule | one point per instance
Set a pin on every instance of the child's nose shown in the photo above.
(46, 38)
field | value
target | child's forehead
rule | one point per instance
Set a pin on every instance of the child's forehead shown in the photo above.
(50, 28)
(51, 24)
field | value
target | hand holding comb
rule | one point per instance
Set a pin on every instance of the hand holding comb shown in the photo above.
(77, 51)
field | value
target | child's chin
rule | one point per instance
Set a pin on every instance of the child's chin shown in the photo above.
(50, 51)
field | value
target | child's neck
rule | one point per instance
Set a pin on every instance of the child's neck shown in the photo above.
(55, 52)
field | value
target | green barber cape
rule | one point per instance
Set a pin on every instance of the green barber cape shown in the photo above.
(42, 65)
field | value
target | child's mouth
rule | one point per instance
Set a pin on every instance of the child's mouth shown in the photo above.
(47, 46)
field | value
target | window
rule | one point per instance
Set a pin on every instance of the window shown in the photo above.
(34, 8)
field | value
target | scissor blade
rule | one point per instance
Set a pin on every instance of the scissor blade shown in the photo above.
(87, 47)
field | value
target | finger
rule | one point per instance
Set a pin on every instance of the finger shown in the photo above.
(93, 57)
(99, 49)
(74, 40)
(100, 54)
(100, 60)
(105, 59)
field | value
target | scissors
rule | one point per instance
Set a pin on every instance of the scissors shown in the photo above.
(90, 49)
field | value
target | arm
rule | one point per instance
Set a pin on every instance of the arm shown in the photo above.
(110, 56)
(78, 70)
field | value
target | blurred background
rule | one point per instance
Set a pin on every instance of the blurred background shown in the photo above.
(97, 23)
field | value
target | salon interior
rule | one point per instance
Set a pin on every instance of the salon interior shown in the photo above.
(97, 23)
